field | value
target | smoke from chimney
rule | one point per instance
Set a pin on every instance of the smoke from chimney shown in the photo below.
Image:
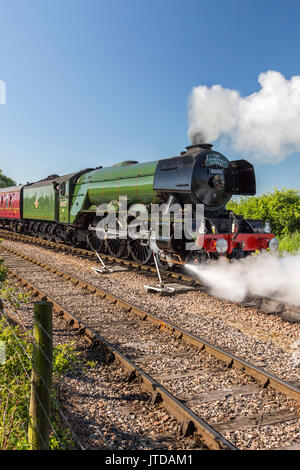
(264, 125)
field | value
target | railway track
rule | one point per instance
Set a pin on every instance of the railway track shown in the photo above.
(286, 311)
(188, 375)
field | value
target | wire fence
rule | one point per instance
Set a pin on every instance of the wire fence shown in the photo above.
(25, 390)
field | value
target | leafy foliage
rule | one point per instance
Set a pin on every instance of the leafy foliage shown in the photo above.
(290, 242)
(3, 271)
(9, 294)
(5, 181)
(14, 388)
(15, 376)
(281, 208)
(65, 358)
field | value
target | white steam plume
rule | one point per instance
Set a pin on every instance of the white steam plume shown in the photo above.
(266, 275)
(265, 124)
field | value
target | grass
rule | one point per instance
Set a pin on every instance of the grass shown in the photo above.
(15, 376)
(15, 388)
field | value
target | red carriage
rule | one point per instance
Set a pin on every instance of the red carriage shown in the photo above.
(10, 203)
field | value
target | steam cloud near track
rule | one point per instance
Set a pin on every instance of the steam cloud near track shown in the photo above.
(264, 275)
(264, 124)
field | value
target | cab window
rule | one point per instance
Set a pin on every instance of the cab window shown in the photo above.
(62, 191)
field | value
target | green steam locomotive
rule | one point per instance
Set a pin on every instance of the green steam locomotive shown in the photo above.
(66, 208)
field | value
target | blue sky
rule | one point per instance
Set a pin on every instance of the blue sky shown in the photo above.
(94, 82)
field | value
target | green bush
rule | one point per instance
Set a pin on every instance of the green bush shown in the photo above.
(290, 242)
(281, 208)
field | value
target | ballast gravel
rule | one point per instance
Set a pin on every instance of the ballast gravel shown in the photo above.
(266, 340)
(103, 409)
(123, 330)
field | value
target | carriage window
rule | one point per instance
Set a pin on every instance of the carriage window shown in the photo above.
(10, 199)
(1, 201)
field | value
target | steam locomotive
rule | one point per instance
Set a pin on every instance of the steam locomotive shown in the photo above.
(65, 208)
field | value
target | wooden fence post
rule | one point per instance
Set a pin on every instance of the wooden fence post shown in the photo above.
(41, 378)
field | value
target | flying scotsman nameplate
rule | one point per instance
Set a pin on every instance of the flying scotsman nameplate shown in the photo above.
(216, 160)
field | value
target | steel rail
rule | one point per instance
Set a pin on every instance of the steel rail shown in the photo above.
(192, 423)
(256, 301)
(267, 379)
(90, 254)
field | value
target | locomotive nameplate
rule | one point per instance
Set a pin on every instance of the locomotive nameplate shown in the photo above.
(213, 159)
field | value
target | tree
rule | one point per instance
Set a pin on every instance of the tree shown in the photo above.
(280, 208)
(5, 181)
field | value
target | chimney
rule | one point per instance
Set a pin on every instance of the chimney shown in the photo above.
(194, 149)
